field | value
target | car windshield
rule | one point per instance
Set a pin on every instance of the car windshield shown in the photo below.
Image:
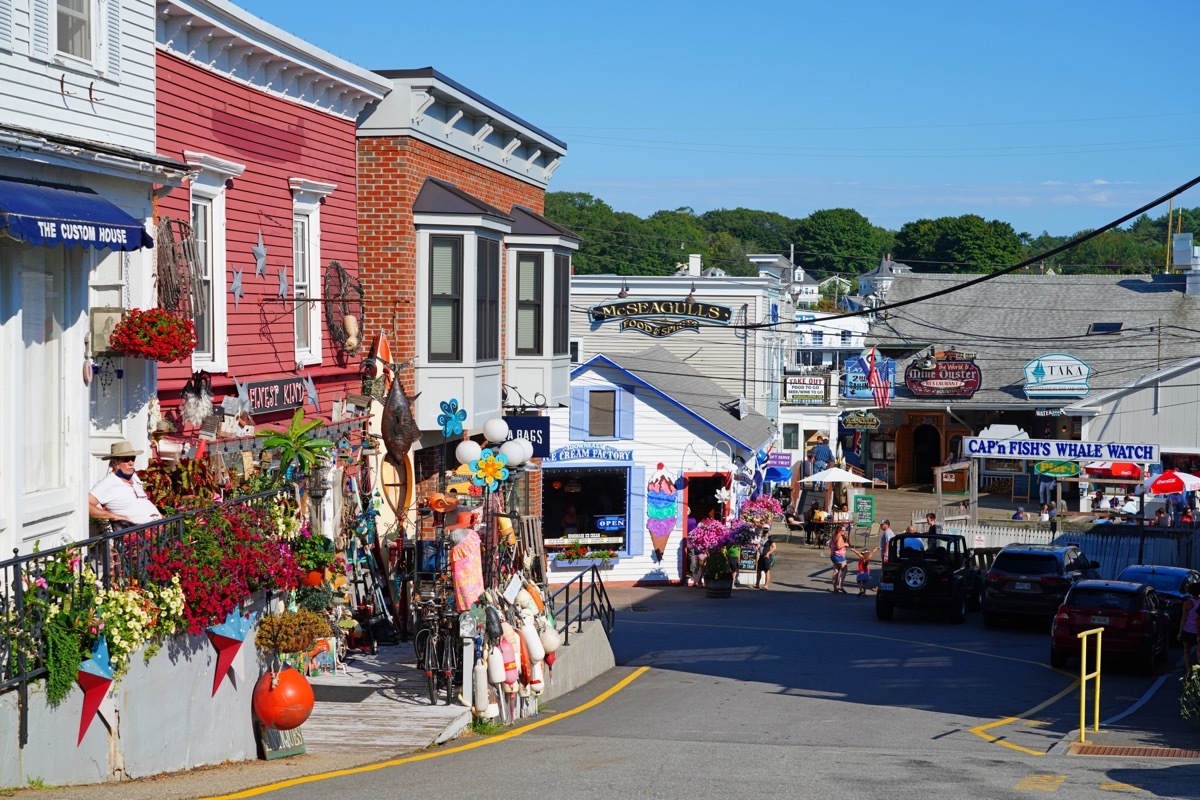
(1163, 582)
(1103, 599)
(1027, 563)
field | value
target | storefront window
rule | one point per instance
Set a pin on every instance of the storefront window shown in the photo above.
(586, 504)
(791, 436)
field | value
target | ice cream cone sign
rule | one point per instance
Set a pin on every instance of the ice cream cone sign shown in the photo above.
(662, 509)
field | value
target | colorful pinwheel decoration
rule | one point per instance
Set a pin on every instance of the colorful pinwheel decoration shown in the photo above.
(451, 419)
(489, 469)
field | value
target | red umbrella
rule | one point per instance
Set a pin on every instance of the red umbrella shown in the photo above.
(1117, 469)
(1172, 482)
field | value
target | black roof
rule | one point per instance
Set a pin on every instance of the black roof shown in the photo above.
(527, 222)
(430, 72)
(440, 197)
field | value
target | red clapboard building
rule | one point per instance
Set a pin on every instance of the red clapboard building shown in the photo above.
(266, 124)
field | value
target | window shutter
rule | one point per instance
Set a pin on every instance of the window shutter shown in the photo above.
(443, 268)
(579, 414)
(625, 406)
(6, 14)
(526, 328)
(441, 328)
(39, 35)
(112, 41)
(527, 288)
(635, 539)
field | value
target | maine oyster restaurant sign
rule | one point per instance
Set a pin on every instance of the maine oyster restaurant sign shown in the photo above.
(1053, 449)
(661, 317)
(949, 374)
(1057, 375)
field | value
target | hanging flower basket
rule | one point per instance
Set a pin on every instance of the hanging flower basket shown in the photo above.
(155, 335)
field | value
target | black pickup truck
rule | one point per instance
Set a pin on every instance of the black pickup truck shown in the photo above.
(929, 571)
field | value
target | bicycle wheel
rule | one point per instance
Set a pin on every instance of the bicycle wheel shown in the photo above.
(449, 665)
(431, 667)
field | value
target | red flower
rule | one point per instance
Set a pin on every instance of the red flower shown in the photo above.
(154, 334)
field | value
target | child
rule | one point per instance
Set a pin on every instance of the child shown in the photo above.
(863, 576)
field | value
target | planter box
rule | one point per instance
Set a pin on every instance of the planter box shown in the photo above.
(583, 563)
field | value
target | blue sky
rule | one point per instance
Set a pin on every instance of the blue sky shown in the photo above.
(1053, 116)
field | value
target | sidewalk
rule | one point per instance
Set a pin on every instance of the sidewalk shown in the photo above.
(1153, 729)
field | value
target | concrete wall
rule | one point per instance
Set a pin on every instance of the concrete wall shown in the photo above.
(167, 720)
(588, 656)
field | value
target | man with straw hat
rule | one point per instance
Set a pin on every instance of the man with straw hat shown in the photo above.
(119, 496)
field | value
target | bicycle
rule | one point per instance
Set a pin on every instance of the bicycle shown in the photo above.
(437, 648)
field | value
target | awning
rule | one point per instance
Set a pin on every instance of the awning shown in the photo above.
(777, 474)
(43, 214)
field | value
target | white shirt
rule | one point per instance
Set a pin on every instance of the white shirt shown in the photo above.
(125, 499)
(885, 537)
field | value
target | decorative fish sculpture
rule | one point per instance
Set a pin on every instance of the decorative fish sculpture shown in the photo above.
(399, 426)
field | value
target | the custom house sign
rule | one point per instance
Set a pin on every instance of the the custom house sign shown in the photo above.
(952, 373)
(661, 317)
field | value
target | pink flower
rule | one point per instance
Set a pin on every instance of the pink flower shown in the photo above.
(41, 583)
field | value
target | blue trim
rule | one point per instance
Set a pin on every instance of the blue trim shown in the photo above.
(47, 215)
(599, 358)
(635, 512)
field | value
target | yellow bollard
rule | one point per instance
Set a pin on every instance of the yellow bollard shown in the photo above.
(1084, 677)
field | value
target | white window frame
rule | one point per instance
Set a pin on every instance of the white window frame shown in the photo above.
(209, 184)
(307, 196)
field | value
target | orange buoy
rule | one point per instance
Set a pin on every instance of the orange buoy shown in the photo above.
(283, 700)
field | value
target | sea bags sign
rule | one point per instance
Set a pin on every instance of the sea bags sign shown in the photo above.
(1057, 375)
(1046, 449)
(949, 374)
(661, 317)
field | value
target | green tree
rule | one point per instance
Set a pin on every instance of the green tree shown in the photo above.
(958, 244)
(836, 240)
(759, 231)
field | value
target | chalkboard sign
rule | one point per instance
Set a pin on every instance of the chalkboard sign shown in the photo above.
(879, 472)
(864, 511)
(748, 558)
(1020, 490)
(279, 744)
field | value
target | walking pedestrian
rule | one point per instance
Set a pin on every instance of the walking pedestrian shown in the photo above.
(766, 560)
(1188, 625)
(837, 555)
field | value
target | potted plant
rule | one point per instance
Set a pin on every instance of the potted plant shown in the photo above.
(761, 511)
(713, 541)
(578, 554)
(296, 445)
(153, 334)
(314, 553)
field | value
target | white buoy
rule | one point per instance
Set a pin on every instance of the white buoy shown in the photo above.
(479, 694)
(537, 684)
(533, 642)
(495, 665)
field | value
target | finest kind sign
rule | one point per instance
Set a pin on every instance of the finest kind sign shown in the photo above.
(1043, 449)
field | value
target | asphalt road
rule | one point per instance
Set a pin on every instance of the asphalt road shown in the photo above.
(797, 692)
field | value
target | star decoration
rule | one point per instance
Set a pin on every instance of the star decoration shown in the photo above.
(283, 282)
(311, 389)
(236, 287)
(95, 676)
(227, 638)
(243, 393)
(260, 256)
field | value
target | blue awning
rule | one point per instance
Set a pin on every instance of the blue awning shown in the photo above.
(777, 474)
(43, 214)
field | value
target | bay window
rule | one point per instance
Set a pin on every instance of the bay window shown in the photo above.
(487, 300)
(562, 304)
(445, 298)
(529, 304)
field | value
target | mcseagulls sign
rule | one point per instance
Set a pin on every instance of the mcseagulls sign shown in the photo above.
(1057, 375)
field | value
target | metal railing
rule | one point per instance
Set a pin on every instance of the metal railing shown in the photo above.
(1085, 676)
(117, 559)
(581, 599)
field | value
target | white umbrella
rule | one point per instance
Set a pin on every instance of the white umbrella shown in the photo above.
(835, 475)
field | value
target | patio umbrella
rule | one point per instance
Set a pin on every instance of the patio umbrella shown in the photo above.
(835, 475)
(1172, 482)
(1117, 469)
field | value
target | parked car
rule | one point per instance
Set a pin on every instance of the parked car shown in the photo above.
(928, 571)
(1133, 618)
(1032, 580)
(1171, 583)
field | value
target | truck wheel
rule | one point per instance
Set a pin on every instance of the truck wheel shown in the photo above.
(883, 610)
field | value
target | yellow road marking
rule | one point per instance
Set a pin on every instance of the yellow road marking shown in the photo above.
(979, 730)
(1041, 783)
(438, 753)
(1120, 787)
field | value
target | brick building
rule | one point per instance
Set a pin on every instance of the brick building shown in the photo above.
(463, 274)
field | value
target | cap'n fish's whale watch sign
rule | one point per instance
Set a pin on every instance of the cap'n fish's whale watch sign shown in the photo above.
(661, 317)
(1053, 449)
(1057, 375)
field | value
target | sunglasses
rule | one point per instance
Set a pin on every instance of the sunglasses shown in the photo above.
(124, 460)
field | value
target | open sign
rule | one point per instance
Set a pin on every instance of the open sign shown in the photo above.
(610, 523)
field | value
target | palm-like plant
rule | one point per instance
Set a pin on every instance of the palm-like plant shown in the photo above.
(296, 444)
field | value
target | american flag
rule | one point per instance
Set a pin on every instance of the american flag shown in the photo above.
(878, 385)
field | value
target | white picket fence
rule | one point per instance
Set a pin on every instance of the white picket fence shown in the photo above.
(1115, 548)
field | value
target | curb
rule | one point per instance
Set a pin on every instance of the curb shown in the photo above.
(454, 729)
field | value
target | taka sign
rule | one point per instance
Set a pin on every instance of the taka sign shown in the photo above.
(1057, 375)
